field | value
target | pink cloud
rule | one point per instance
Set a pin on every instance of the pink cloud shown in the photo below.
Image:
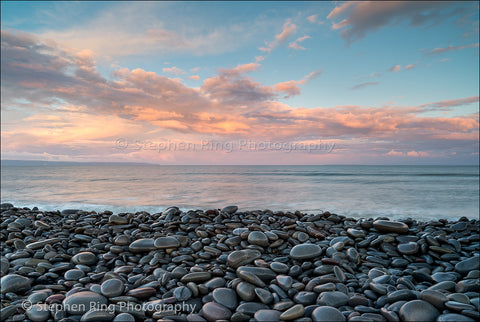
(410, 66)
(196, 77)
(73, 110)
(361, 17)
(312, 18)
(295, 44)
(174, 71)
(395, 68)
(451, 48)
(288, 30)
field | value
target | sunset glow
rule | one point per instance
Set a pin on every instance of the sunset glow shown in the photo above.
(382, 82)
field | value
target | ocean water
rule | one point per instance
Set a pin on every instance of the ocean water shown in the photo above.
(420, 192)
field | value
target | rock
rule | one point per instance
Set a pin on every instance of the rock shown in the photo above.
(230, 209)
(166, 242)
(265, 274)
(409, 248)
(267, 315)
(251, 307)
(124, 317)
(117, 220)
(246, 291)
(74, 274)
(82, 302)
(390, 226)
(258, 238)
(42, 243)
(182, 293)
(468, 265)
(85, 258)
(15, 283)
(293, 313)
(112, 287)
(95, 315)
(305, 251)
(454, 317)
(418, 310)
(38, 312)
(213, 311)
(435, 298)
(143, 245)
(327, 314)
(333, 298)
(226, 297)
(242, 257)
(196, 277)
(70, 211)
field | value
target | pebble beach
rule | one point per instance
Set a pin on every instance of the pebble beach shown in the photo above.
(233, 265)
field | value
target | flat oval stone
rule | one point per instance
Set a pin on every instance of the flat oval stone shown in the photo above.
(333, 298)
(454, 317)
(293, 313)
(267, 315)
(444, 276)
(409, 248)
(418, 310)
(85, 258)
(258, 238)
(251, 307)
(305, 298)
(246, 291)
(265, 274)
(305, 251)
(251, 278)
(124, 317)
(213, 311)
(82, 302)
(242, 257)
(230, 209)
(279, 268)
(435, 298)
(226, 297)
(182, 293)
(42, 243)
(196, 277)
(38, 312)
(112, 287)
(327, 314)
(390, 226)
(74, 274)
(166, 242)
(14, 283)
(143, 245)
(467, 265)
(142, 292)
(98, 315)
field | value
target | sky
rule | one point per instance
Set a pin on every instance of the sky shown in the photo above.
(361, 82)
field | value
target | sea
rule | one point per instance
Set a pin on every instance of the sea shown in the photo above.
(418, 192)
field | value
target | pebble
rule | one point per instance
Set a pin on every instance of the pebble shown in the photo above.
(143, 245)
(267, 315)
(166, 242)
(293, 313)
(327, 314)
(38, 312)
(258, 238)
(418, 310)
(112, 287)
(14, 283)
(84, 258)
(238, 266)
(242, 257)
(213, 312)
(305, 251)
(226, 297)
(82, 302)
(390, 226)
